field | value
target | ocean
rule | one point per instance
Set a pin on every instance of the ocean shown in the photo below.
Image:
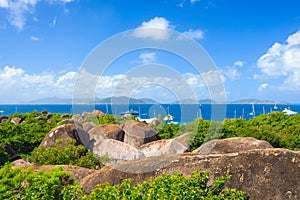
(182, 114)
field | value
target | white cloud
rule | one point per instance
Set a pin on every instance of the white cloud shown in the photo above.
(147, 57)
(27, 87)
(194, 1)
(4, 3)
(156, 28)
(195, 34)
(263, 86)
(232, 72)
(34, 38)
(19, 9)
(283, 60)
(238, 63)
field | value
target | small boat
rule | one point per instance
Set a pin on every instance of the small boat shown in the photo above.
(289, 112)
(168, 117)
(275, 107)
(1, 111)
(253, 110)
(130, 112)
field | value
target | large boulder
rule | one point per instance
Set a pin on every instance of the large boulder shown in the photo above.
(87, 126)
(99, 113)
(231, 145)
(185, 139)
(163, 147)
(137, 134)
(117, 151)
(93, 137)
(262, 174)
(16, 120)
(3, 118)
(63, 132)
(112, 131)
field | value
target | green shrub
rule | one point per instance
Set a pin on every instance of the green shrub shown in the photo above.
(69, 155)
(166, 186)
(27, 184)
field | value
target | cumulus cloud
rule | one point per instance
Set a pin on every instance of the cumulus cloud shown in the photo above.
(283, 60)
(18, 10)
(195, 34)
(4, 3)
(20, 86)
(156, 28)
(147, 57)
(194, 1)
(232, 72)
(263, 86)
(238, 63)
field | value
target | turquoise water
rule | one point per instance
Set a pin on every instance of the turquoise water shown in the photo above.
(182, 113)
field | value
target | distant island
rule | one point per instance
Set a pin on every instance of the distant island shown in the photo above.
(126, 100)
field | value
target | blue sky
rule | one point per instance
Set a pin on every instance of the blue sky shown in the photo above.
(254, 44)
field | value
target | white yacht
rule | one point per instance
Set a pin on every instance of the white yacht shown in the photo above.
(289, 112)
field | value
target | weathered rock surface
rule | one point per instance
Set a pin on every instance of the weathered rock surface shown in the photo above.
(137, 134)
(231, 145)
(112, 131)
(263, 174)
(16, 120)
(185, 139)
(10, 152)
(3, 118)
(61, 132)
(117, 151)
(21, 163)
(163, 147)
(99, 113)
(87, 126)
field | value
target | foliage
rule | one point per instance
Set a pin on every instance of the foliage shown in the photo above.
(22, 183)
(107, 119)
(24, 137)
(279, 130)
(166, 131)
(166, 186)
(3, 157)
(69, 155)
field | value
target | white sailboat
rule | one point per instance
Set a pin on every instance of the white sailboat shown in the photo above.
(264, 112)
(253, 110)
(275, 107)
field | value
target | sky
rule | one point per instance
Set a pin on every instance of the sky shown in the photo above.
(255, 46)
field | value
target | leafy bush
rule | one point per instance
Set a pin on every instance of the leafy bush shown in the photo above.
(69, 155)
(24, 137)
(22, 183)
(27, 184)
(166, 186)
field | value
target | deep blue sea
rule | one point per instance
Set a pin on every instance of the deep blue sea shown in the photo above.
(183, 114)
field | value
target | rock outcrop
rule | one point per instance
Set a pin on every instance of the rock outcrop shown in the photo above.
(231, 145)
(16, 120)
(137, 134)
(62, 132)
(99, 113)
(163, 147)
(112, 131)
(263, 174)
(117, 151)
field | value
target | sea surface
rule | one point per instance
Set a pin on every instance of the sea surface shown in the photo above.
(182, 114)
